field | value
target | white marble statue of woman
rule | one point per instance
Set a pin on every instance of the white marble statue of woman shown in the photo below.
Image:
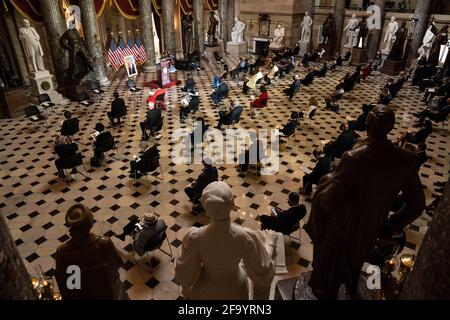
(278, 37)
(32, 47)
(427, 43)
(237, 34)
(306, 28)
(389, 38)
(352, 33)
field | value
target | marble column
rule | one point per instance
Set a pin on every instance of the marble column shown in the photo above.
(198, 25)
(422, 11)
(168, 27)
(429, 278)
(15, 283)
(339, 17)
(55, 26)
(146, 32)
(373, 42)
(226, 16)
(91, 37)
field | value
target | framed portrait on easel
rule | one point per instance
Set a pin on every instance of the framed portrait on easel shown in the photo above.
(130, 65)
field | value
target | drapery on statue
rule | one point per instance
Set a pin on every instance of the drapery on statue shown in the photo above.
(328, 30)
(352, 203)
(80, 61)
(187, 23)
(427, 42)
(213, 22)
(391, 29)
(209, 264)
(32, 47)
(237, 34)
(352, 34)
(96, 257)
(278, 37)
(306, 28)
(399, 43)
(441, 40)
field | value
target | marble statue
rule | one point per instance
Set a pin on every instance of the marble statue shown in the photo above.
(96, 256)
(306, 28)
(237, 34)
(213, 22)
(278, 37)
(210, 263)
(399, 42)
(352, 203)
(391, 29)
(80, 61)
(32, 47)
(328, 29)
(352, 34)
(362, 30)
(427, 42)
(187, 24)
(441, 40)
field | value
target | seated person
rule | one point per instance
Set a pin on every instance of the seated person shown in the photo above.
(189, 103)
(209, 174)
(356, 76)
(284, 220)
(154, 98)
(118, 109)
(434, 81)
(271, 75)
(322, 72)
(66, 150)
(198, 134)
(216, 82)
(293, 88)
(70, 126)
(443, 90)
(253, 155)
(225, 71)
(189, 86)
(385, 97)
(147, 162)
(227, 118)
(366, 71)
(312, 105)
(322, 167)
(347, 56)
(377, 61)
(305, 60)
(314, 56)
(344, 142)
(221, 93)
(439, 115)
(289, 128)
(153, 122)
(242, 65)
(347, 83)
(360, 123)
(398, 83)
(104, 141)
(260, 102)
(252, 82)
(309, 78)
(259, 62)
(147, 232)
(420, 136)
(296, 50)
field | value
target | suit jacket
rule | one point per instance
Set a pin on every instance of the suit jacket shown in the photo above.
(117, 107)
(295, 86)
(288, 218)
(70, 127)
(207, 176)
(150, 237)
(153, 119)
(66, 150)
(149, 160)
(322, 167)
(345, 142)
(232, 115)
(104, 140)
(289, 128)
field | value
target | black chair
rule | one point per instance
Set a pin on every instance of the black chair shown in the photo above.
(236, 118)
(107, 146)
(73, 162)
(150, 166)
(34, 116)
(45, 101)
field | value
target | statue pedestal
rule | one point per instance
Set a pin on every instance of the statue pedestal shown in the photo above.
(392, 67)
(41, 82)
(302, 290)
(217, 48)
(304, 47)
(359, 56)
(237, 49)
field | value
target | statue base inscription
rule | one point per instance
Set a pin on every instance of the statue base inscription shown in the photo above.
(237, 49)
(359, 56)
(304, 47)
(392, 67)
(302, 290)
(41, 82)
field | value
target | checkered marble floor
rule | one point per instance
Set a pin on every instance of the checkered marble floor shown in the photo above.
(34, 200)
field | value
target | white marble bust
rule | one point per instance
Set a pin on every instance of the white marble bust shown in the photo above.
(278, 37)
(306, 28)
(237, 34)
(389, 38)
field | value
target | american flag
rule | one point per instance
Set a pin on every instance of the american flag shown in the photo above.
(140, 50)
(114, 55)
(122, 47)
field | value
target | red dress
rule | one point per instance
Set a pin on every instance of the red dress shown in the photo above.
(261, 102)
(365, 72)
(153, 97)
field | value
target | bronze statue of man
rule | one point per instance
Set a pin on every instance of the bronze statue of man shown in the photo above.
(352, 203)
(213, 23)
(95, 256)
(187, 22)
(399, 43)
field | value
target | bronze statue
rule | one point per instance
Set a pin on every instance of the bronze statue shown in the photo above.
(80, 61)
(96, 257)
(362, 33)
(328, 30)
(399, 43)
(351, 204)
(213, 22)
(187, 34)
(441, 40)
